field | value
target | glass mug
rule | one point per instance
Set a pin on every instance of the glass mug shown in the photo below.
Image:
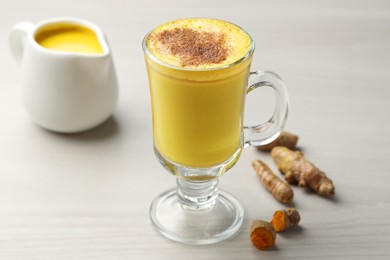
(199, 134)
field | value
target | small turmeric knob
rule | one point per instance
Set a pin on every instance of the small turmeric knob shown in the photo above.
(285, 219)
(285, 138)
(262, 235)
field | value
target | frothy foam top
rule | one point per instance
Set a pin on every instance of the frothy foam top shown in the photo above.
(198, 43)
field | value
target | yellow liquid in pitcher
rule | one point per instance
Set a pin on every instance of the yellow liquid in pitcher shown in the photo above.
(198, 107)
(69, 37)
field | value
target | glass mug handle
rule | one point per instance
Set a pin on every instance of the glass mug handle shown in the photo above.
(268, 131)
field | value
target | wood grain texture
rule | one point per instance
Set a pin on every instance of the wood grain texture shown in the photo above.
(87, 196)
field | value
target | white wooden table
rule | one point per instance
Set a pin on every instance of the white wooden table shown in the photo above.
(87, 196)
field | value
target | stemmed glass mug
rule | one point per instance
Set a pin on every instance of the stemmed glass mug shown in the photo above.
(199, 135)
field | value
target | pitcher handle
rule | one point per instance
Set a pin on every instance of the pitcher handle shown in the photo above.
(17, 39)
(268, 131)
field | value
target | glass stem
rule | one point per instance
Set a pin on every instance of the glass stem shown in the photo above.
(197, 195)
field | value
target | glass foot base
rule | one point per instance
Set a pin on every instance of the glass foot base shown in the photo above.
(196, 227)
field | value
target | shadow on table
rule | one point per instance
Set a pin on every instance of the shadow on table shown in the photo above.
(293, 232)
(334, 199)
(106, 130)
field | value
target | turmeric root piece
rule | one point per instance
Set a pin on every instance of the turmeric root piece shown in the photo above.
(297, 169)
(263, 235)
(285, 219)
(278, 188)
(286, 139)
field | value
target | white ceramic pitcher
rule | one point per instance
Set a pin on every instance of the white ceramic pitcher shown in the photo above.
(64, 91)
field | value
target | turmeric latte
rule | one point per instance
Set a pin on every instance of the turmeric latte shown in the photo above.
(68, 37)
(198, 43)
(198, 72)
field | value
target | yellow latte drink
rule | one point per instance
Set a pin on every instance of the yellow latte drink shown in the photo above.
(198, 72)
(69, 38)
